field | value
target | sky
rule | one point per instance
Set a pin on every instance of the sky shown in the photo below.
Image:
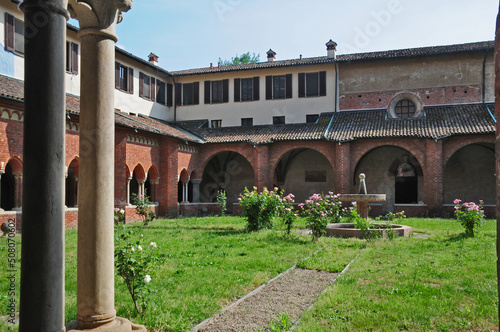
(188, 34)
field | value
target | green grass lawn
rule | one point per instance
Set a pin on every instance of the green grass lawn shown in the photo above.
(442, 283)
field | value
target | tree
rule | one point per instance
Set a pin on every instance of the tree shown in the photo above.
(240, 60)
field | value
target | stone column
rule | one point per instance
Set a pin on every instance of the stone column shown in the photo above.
(141, 186)
(42, 264)
(497, 146)
(95, 288)
(196, 190)
(185, 192)
(2, 171)
(128, 190)
(18, 190)
(76, 198)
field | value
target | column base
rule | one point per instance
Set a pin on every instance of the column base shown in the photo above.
(118, 325)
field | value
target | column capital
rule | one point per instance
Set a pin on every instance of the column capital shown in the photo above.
(99, 17)
(57, 6)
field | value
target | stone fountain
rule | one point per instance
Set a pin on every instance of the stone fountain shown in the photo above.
(362, 200)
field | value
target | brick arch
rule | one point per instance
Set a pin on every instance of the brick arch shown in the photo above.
(247, 153)
(184, 175)
(153, 173)
(128, 174)
(195, 175)
(75, 161)
(16, 164)
(139, 172)
(367, 148)
(452, 147)
(305, 145)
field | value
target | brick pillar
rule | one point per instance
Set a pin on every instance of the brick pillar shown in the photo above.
(433, 177)
(343, 169)
(122, 197)
(167, 198)
(263, 175)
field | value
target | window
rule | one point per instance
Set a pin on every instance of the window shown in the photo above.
(312, 84)
(187, 93)
(124, 78)
(246, 89)
(277, 120)
(312, 118)
(216, 92)
(160, 92)
(246, 122)
(72, 58)
(170, 94)
(146, 86)
(404, 109)
(279, 87)
(14, 34)
(315, 176)
(216, 123)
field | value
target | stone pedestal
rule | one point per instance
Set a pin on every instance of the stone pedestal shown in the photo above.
(95, 288)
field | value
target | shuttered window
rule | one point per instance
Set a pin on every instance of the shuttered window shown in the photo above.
(124, 78)
(247, 122)
(279, 87)
(160, 92)
(188, 93)
(72, 58)
(14, 34)
(216, 92)
(312, 84)
(246, 89)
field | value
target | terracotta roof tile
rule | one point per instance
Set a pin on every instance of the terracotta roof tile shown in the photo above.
(410, 52)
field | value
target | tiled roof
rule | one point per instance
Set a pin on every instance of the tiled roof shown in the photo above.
(410, 52)
(155, 126)
(11, 88)
(436, 123)
(14, 89)
(264, 134)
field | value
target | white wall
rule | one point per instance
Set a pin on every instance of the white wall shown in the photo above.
(262, 111)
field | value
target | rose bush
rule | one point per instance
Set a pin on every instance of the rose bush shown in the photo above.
(470, 215)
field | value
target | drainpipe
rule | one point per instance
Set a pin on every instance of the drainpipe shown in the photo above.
(484, 78)
(336, 108)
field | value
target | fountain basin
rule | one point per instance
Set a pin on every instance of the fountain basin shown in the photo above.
(346, 230)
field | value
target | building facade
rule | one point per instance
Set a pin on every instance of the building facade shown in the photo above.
(418, 122)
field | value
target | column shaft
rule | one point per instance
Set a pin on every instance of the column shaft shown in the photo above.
(128, 191)
(95, 218)
(42, 265)
(1, 172)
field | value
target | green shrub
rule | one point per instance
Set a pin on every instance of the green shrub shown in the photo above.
(320, 210)
(260, 209)
(470, 215)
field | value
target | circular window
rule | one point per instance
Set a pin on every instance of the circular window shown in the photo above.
(405, 109)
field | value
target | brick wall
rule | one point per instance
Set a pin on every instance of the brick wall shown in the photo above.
(460, 94)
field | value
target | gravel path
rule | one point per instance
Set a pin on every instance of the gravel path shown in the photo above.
(292, 293)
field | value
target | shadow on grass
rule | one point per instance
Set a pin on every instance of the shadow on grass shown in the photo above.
(456, 238)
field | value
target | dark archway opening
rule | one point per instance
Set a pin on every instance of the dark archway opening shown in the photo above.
(8, 189)
(406, 185)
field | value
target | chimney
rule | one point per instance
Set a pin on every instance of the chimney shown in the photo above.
(331, 48)
(271, 55)
(153, 59)
(211, 65)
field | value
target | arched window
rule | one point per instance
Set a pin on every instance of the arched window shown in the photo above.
(405, 109)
